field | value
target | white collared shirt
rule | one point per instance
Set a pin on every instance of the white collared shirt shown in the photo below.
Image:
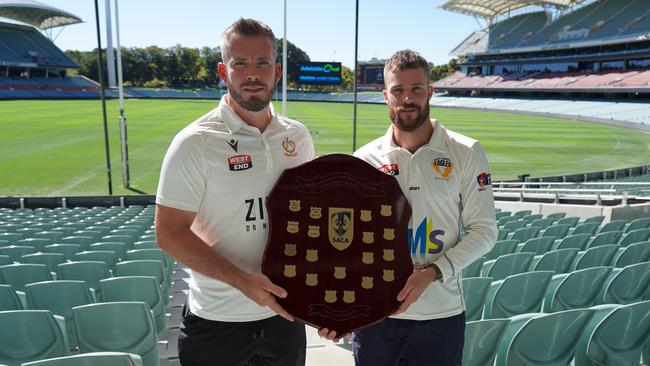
(447, 182)
(223, 169)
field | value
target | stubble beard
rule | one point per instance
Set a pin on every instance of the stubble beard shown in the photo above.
(409, 124)
(253, 103)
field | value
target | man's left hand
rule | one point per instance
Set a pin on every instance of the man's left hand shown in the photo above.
(414, 287)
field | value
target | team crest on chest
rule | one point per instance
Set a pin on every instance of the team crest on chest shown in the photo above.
(443, 166)
(289, 147)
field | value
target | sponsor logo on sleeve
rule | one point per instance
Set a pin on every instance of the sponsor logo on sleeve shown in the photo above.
(443, 166)
(390, 169)
(484, 179)
(240, 162)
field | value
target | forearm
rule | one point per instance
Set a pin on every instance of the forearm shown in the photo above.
(192, 251)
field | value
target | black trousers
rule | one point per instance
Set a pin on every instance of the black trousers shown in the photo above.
(393, 342)
(268, 342)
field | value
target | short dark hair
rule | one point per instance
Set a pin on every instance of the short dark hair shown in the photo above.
(246, 27)
(406, 60)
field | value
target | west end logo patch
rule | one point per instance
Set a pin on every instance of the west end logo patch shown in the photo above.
(240, 162)
(390, 169)
(484, 179)
(443, 167)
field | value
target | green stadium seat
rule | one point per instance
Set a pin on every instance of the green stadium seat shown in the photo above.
(634, 236)
(536, 245)
(89, 271)
(517, 294)
(606, 238)
(5, 259)
(585, 228)
(9, 299)
(117, 326)
(595, 219)
(36, 243)
(522, 213)
(136, 288)
(530, 218)
(501, 214)
(502, 235)
(145, 267)
(59, 297)
(507, 265)
(578, 241)
(12, 238)
(575, 290)
(542, 223)
(107, 256)
(474, 269)
(505, 219)
(475, 290)
(30, 335)
(523, 234)
(542, 339)
(501, 248)
(68, 250)
(572, 221)
(92, 359)
(632, 254)
(617, 225)
(558, 231)
(595, 257)
(641, 223)
(514, 225)
(15, 252)
(51, 260)
(558, 261)
(556, 216)
(627, 285)
(19, 275)
(482, 338)
(119, 248)
(614, 335)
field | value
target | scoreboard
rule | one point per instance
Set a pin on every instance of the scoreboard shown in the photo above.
(318, 73)
(370, 76)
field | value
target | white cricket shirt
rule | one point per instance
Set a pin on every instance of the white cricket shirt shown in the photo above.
(223, 169)
(448, 184)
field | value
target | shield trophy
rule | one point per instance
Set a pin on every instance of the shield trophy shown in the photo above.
(338, 242)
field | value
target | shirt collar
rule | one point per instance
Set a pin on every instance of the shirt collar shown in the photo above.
(436, 142)
(234, 122)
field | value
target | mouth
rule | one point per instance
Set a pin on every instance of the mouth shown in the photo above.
(253, 89)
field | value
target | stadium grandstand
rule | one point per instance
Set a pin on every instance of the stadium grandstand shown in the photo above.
(598, 48)
(84, 282)
(31, 66)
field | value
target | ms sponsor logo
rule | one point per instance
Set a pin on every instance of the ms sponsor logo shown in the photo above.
(424, 239)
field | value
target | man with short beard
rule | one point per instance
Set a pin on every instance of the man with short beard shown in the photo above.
(445, 177)
(211, 211)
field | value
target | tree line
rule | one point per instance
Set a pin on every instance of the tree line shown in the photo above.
(186, 67)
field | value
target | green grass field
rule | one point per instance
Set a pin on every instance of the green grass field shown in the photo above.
(57, 147)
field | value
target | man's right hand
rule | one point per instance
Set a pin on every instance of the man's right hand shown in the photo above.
(260, 289)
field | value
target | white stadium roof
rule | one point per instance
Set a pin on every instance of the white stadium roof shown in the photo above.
(37, 14)
(490, 9)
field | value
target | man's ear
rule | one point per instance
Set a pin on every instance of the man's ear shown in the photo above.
(221, 71)
(278, 72)
(386, 96)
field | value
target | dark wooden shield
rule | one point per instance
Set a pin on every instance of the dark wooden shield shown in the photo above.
(338, 242)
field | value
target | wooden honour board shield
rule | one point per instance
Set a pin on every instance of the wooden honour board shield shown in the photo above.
(338, 242)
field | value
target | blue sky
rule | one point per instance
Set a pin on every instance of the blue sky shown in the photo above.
(324, 29)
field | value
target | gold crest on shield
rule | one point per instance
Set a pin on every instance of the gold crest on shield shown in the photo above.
(341, 227)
